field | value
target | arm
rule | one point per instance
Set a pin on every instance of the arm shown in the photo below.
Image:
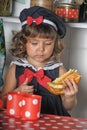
(70, 90)
(10, 83)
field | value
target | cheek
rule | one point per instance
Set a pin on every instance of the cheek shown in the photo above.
(28, 47)
(49, 51)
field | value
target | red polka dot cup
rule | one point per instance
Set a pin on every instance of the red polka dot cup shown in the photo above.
(31, 105)
(14, 103)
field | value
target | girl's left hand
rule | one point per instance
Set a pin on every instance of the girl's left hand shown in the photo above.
(70, 87)
(69, 97)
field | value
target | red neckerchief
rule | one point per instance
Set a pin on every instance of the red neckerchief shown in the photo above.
(41, 78)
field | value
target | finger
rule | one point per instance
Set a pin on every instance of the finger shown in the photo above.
(72, 86)
(29, 88)
(64, 84)
(75, 86)
(68, 86)
(26, 81)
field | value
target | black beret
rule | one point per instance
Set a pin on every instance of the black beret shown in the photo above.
(49, 17)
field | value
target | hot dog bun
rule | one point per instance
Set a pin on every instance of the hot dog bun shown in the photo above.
(56, 86)
(69, 74)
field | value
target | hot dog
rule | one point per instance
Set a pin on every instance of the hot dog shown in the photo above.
(56, 86)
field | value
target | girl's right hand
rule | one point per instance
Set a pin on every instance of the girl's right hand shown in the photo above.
(25, 88)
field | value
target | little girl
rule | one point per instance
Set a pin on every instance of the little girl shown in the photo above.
(38, 49)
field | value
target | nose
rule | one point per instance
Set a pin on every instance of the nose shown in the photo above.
(41, 47)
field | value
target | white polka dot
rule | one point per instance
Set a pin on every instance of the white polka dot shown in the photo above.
(23, 102)
(59, 123)
(26, 125)
(67, 127)
(4, 123)
(71, 123)
(9, 97)
(57, 117)
(42, 121)
(20, 104)
(11, 120)
(36, 124)
(43, 128)
(38, 114)
(75, 119)
(46, 117)
(48, 124)
(12, 126)
(55, 127)
(65, 120)
(35, 101)
(12, 111)
(52, 120)
(18, 122)
(78, 126)
(27, 114)
(83, 122)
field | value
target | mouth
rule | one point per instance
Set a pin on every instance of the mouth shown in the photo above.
(39, 56)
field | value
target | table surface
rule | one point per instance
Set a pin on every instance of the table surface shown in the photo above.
(45, 122)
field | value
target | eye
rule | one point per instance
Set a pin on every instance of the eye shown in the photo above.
(48, 43)
(34, 43)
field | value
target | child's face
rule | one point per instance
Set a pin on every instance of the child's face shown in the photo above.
(39, 49)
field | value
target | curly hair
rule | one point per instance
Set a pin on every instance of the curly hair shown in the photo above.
(43, 31)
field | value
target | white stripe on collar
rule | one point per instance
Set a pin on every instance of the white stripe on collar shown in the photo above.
(49, 66)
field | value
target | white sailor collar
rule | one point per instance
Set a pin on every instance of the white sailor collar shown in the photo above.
(49, 66)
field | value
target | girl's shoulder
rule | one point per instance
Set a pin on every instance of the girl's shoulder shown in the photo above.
(19, 62)
(62, 70)
(12, 67)
(52, 65)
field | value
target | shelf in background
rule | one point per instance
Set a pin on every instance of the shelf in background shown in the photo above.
(77, 25)
(10, 19)
(16, 20)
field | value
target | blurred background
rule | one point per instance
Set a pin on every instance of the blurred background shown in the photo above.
(75, 41)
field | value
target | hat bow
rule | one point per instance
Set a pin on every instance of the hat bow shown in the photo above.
(38, 20)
